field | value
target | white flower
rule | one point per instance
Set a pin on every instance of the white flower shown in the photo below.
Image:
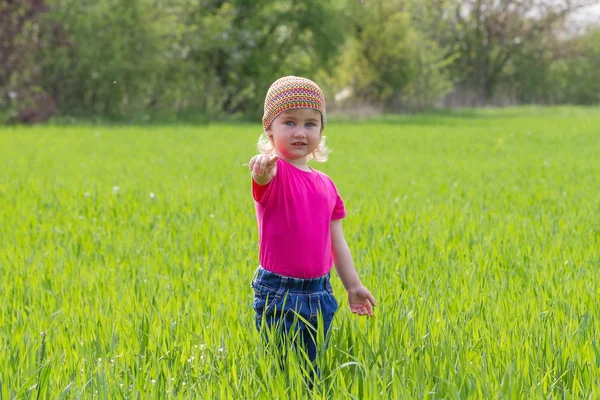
(116, 189)
(152, 195)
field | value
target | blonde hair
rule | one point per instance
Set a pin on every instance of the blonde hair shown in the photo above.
(321, 154)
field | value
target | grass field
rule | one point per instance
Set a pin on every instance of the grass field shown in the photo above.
(127, 252)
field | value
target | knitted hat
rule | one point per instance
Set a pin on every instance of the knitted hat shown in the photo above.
(292, 92)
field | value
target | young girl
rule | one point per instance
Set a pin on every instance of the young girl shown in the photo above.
(299, 212)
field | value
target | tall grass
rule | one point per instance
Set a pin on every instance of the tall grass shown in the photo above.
(127, 252)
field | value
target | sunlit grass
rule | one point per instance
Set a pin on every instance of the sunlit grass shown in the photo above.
(127, 254)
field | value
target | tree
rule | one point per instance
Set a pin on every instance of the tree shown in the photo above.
(19, 73)
(388, 61)
(578, 70)
(376, 62)
(244, 45)
(489, 34)
(114, 58)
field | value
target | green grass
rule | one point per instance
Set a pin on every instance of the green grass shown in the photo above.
(127, 252)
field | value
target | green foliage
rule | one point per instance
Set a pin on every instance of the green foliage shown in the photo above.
(378, 59)
(583, 70)
(168, 60)
(562, 71)
(127, 255)
(115, 59)
(128, 58)
(537, 75)
(485, 38)
(261, 42)
(431, 80)
(389, 61)
(19, 39)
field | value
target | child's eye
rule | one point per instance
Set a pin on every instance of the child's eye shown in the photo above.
(310, 124)
(289, 123)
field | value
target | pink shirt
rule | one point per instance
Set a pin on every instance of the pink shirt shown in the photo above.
(294, 212)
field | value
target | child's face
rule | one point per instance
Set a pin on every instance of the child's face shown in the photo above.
(296, 133)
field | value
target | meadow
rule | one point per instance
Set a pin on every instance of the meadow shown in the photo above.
(126, 255)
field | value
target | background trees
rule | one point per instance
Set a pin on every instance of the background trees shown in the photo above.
(182, 59)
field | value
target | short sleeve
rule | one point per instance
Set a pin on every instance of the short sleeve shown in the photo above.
(339, 211)
(262, 193)
(258, 191)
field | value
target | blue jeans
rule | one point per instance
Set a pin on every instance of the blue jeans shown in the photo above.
(294, 305)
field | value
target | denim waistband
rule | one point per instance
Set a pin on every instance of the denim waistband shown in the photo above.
(276, 281)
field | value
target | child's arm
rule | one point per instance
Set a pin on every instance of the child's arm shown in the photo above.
(263, 167)
(360, 299)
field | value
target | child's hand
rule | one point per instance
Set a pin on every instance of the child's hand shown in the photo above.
(263, 166)
(361, 300)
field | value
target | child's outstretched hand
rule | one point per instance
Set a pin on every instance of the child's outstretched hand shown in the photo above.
(263, 167)
(361, 301)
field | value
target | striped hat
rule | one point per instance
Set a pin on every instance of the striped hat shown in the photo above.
(292, 92)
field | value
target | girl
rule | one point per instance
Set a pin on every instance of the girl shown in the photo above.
(299, 212)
